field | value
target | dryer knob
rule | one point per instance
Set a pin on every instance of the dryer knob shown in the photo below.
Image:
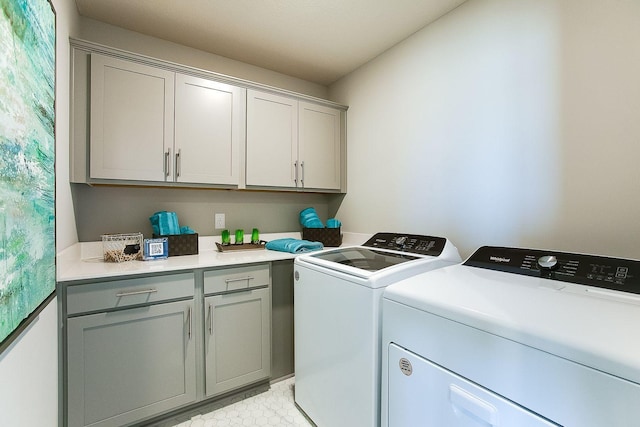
(548, 262)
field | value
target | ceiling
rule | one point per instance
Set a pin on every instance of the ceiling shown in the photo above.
(315, 40)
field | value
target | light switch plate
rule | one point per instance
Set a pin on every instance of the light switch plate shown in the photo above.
(219, 220)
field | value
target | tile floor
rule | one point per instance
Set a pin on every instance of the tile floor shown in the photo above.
(274, 407)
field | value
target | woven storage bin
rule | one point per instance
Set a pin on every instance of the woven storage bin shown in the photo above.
(327, 236)
(182, 244)
(122, 247)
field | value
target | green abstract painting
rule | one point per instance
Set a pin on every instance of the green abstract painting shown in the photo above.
(27, 161)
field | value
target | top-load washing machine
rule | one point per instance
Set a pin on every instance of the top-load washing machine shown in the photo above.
(514, 337)
(337, 326)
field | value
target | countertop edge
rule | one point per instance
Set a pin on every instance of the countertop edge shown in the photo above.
(83, 261)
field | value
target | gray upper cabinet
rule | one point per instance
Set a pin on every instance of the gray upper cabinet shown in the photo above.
(150, 124)
(209, 131)
(131, 122)
(272, 140)
(293, 143)
(136, 120)
(319, 146)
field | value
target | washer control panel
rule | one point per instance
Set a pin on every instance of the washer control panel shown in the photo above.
(413, 243)
(602, 272)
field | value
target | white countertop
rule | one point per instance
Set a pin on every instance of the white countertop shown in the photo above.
(84, 261)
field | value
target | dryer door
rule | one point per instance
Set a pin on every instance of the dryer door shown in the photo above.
(422, 393)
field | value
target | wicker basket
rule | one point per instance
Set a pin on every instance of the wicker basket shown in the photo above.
(122, 247)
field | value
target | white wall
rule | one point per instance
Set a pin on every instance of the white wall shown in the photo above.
(510, 123)
(68, 22)
(29, 367)
(29, 372)
(109, 35)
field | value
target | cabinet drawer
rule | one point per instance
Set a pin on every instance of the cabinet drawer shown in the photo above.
(237, 278)
(124, 293)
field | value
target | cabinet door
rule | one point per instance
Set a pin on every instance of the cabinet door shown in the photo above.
(238, 340)
(272, 140)
(131, 123)
(319, 145)
(209, 129)
(126, 365)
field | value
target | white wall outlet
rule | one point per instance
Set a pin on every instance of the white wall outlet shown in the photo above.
(219, 219)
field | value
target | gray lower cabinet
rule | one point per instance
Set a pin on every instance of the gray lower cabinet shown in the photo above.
(137, 348)
(237, 327)
(125, 365)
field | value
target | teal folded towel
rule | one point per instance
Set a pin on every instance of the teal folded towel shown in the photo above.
(295, 246)
(164, 223)
(185, 229)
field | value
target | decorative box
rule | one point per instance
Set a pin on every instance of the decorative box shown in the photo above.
(327, 236)
(182, 244)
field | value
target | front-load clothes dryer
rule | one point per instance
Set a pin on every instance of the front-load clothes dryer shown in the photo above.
(337, 325)
(514, 337)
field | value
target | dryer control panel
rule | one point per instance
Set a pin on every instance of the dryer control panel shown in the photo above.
(592, 270)
(413, 243)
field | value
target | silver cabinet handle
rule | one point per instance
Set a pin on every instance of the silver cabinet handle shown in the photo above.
(189, 320)
(239, 279)
(295, 166)
(210, 319)
(167, 154)
(302, 167)
(126, 294)
(178, 163)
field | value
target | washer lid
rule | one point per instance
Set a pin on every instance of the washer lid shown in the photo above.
(364, 258)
